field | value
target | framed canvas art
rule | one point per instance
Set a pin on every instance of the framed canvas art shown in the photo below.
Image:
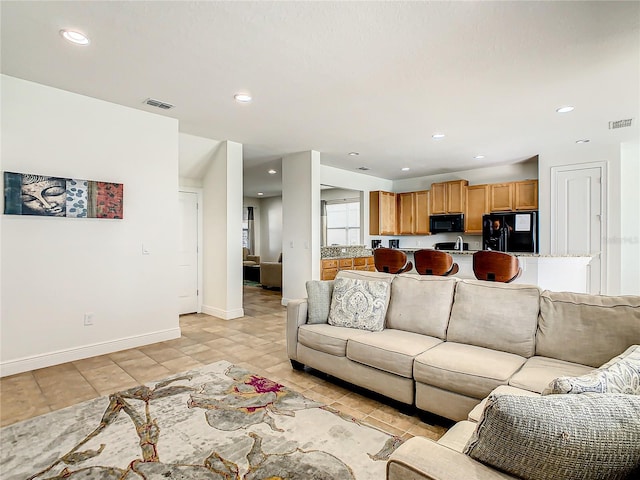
(28, 194)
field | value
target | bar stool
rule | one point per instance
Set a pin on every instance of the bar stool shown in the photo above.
(434, 262)
(496, 266)
(390, 260)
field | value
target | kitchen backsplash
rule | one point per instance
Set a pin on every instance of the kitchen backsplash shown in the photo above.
(345, 251)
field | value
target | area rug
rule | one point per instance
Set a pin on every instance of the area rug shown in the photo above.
(219, 422)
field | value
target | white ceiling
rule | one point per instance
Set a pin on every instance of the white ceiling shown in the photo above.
(378, 78)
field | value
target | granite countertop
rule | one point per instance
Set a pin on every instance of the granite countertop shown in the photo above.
(347, 256)
(344, 251)
(517, 254)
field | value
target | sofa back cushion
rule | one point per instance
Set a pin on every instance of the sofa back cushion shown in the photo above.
(493, 315)
(421, 304)
(586, 329)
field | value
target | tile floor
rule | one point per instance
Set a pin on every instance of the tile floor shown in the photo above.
(255, 342)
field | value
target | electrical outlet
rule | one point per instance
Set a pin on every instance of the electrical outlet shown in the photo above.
(343, 250)
(88, 319)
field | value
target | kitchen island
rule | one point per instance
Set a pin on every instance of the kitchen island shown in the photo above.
(560, 273)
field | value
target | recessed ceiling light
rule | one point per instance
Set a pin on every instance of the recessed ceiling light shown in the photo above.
(260, 194)
(272, 172)
(242, 97)
(75, 37)
(405, 169)
(479, 157)
(353, 154)
(565, 109)
(438, 135)
(584, 140)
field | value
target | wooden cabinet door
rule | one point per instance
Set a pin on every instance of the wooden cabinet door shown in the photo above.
(382, 213)
(477, 206)
(456, 196)
(526, 195)
(438, 198)
(406, 213)
(501, 197)
(328, 273)
(421, 220)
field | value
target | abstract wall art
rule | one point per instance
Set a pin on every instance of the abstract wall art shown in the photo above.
(28, 194)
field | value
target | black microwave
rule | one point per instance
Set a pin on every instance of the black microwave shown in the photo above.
(446, 223)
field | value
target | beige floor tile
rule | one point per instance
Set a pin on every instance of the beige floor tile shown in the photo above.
(149, 374)
(165, 353)
(93, 362)
(182, 364)
(109, 379)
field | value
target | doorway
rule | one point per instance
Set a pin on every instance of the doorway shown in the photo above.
(578, 220)
(189, 257)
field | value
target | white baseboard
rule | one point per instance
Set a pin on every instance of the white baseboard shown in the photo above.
(223, 314)
(11, 367)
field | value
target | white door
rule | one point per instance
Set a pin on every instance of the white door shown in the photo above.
(578, 224)
(188, 253)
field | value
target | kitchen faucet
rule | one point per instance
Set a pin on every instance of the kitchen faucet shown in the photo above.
(459, 243)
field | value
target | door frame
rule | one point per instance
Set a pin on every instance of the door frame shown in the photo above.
(604, 212)
(198, 191)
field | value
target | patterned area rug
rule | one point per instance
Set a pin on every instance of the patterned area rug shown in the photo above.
(218, 422)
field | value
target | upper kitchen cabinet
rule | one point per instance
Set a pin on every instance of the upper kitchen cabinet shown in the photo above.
(413, 213)
(501, 197)
(382, 213)
(507, 197)
(448, 197)
(526, 195)
(477, 206)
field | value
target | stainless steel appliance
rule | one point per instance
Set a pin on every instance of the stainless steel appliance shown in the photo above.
(446, 223)
(510, 232)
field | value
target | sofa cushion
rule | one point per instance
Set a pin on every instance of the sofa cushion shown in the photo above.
(411, 295)
(458, 436)
(390, 350)
(537, 372)
(327, 338)
(359, 303)
(476, 413)
(319, 300)
(620, 375)
(586, 329)
(592, 436)
(465, 369)
(496, 316)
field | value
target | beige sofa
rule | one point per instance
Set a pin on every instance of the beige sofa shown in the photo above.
(448, 343)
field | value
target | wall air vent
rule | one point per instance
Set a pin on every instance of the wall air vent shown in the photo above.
(157, 103)
(620, 123)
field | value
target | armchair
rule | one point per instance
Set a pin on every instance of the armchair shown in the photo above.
(249, 259)
(271, 274)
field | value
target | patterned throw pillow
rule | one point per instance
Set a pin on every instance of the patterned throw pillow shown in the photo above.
(569, 437)
(620, 375)
(318, 300)
(359, 303)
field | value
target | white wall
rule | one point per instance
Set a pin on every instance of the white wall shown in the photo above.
(630, 219)
(222, 236)
(54, 270)
(270, 228)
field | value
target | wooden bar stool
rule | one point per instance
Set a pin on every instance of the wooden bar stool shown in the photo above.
(434, 262)
(496, 266)
(390, 260)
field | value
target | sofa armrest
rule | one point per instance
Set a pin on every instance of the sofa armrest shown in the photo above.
(422, 459)
(296, 316)
(253, 258)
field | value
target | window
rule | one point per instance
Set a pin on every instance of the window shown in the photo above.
(245, 227)
(343, 222)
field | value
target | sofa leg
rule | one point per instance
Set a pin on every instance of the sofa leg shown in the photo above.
(297, 365)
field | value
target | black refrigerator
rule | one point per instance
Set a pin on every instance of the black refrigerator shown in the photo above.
(510, 232)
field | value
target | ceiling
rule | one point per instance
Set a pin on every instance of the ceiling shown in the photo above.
(378, 78)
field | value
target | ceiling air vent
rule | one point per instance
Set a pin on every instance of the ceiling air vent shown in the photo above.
(157, 103)
(620, 123)
(363, 168)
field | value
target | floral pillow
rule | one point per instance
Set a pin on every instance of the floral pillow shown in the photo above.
(359, 303)
(620, 375)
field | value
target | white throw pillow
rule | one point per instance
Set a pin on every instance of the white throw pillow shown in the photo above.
(619, 375)
(359, 304)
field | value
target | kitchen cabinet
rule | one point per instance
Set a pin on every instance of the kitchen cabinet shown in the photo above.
(477, 203)
(413, 213)
(501, 197)
(448, 197)
(512, 196)
(330, 267)
(382, 213)
(526, 195)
